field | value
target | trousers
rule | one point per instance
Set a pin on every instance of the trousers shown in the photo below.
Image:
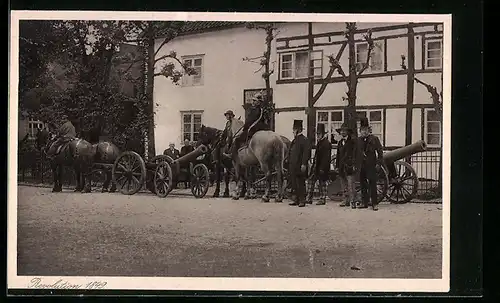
(298, 185)
(368, 180)
(311, 184)
(349, 193)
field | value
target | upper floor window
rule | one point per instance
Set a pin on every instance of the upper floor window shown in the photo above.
(433, 53)
(376, 62)
(375, 121)
(191, 125)
(432, 128)
(195, 62)
(301, 64)
(332, 119)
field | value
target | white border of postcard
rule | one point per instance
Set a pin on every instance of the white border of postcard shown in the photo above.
(228, 284)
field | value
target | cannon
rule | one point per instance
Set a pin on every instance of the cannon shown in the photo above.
(397, 180)
(169, 172)
(130, 173)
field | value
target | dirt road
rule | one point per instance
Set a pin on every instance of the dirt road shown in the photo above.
(143, 235)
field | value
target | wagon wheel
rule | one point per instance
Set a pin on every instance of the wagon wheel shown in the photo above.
(200, 180)
(151, 168)
(382, 184)
(98, 178)
(405, 184)
(129, 172)
(163, 179)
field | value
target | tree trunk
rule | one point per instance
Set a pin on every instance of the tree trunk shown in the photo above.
(149, 96)
(352, 83)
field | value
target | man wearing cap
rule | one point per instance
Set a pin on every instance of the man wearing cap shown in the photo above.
(300, 153)
(253, 124)
(171, 151)
(346, 163)
(228, 133)
(372, 153)
(321, 166)
(66, 132)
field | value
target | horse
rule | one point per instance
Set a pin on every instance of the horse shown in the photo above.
(216, 141)
(266, 149)
(28, 157)
(81, 155)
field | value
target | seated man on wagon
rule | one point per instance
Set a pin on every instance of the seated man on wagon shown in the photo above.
(254, 122)
(65, 134)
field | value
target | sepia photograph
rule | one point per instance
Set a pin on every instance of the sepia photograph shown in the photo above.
(229, 151)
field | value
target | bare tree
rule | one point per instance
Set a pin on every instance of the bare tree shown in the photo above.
(265, 64)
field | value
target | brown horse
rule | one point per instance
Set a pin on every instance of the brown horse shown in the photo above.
(106, 153)
(266, 149)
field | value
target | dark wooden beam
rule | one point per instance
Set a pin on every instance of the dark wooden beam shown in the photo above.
(311, 112)
(410, 85)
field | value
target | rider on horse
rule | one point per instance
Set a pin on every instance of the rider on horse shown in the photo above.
(65, 134)
(253, 123)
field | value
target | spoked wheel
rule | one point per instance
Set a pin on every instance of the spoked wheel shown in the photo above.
(382, 184)
(98, 177)
(129, 172)
(163, 179)
(200, 180)
(404, 186)
(151, 168)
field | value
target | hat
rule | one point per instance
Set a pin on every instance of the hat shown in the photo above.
(364, 123)
(345, 126)
(320, 129)
(297, 124)
(229, 112)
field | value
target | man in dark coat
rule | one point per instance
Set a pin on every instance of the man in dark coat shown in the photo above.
(300, 153)
(65, 133)
(321, 166)
(253, 124)
(172, 152)
(371, 155)
(346, 163)
(186, 149)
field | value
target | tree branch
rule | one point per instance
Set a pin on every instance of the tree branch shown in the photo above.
(434, 95)
(369, 40)
(333, 67)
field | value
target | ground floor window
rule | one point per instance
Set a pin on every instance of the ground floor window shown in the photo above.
(191, 125)
(432, 128)
(33, 125)
(374, 119)
(332, 119)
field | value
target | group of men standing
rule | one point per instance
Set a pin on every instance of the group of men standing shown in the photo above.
(356, 158)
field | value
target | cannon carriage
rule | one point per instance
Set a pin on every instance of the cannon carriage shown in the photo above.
(397, 181)
(160, 174)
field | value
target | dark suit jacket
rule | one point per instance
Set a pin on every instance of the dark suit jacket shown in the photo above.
(186, 150)
(67, 130)
(371, 151)
(173, 154)
(300, 153)
(347, 156)
(322, 157)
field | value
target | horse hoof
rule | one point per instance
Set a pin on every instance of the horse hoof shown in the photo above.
(86, 190)
(104, 190)
(226, 195)
(278, 200)
(56, 190)
(265, 200)
(77, 190)
(215, 196)
(236, 198)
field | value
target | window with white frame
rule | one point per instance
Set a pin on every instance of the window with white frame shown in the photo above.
(33, 125)
(433, 53)
(332, 119)
(432, 128)
(196, 63)
(374, 120)
(301, 64)
(191, 125)
(376, 63)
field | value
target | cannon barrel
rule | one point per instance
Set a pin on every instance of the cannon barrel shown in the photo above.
(403, 152)
(190, 157)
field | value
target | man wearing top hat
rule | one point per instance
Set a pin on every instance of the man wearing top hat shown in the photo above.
(66, 132)
(346, 163)
(371, 155)
(321, 166)
(300, 152)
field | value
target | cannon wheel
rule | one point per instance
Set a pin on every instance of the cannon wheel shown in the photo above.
(151, 168)
(405, 185)
(129, 172)
(200, 180)
(382, 184)
(98, 177)
(162, 179)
